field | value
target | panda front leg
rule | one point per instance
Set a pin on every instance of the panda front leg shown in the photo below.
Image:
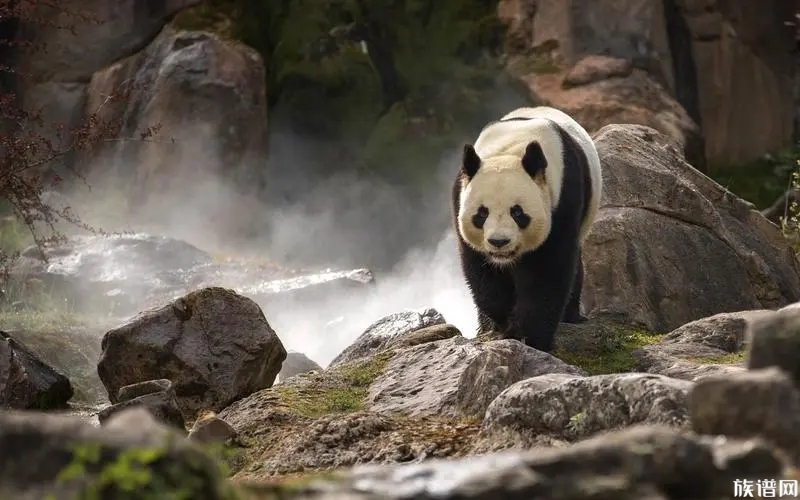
(543, 283)
(491, 290)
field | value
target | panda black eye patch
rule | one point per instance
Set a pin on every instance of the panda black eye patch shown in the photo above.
(479, 219)
(520, 217)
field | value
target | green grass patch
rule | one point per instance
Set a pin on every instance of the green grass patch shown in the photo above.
(601, 347)
(760, 181)
(343, 389)
(144, 472)
(725, 359)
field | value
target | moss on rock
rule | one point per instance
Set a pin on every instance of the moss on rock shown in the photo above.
(724, 359)
(342, 389)
(601, 346)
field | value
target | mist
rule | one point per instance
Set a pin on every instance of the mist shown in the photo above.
(305, 220)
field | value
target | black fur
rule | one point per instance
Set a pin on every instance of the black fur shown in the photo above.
(470, 162)
(528, 300)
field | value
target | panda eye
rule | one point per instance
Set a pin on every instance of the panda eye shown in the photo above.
(520, 217)
(479, 219)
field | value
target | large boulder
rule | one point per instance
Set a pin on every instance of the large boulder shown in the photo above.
(205, 99)
(670, 245)
(26, 382)
(214, 345)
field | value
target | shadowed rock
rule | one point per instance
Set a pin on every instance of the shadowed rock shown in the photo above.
(758, 403)
(214, 345)
(28, 383)
(156, 396)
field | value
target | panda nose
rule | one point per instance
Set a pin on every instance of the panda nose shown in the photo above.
(499, 242)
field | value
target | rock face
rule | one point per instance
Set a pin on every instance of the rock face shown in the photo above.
(571, 408)
(63, 60)
(468, 376)
(214, 345)
(678, 51)
(604, 62)
(55, 442)
(749, 45)
(671, 246)
(206, 95)
(28, 383)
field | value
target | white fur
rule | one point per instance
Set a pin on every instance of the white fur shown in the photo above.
(501, 182)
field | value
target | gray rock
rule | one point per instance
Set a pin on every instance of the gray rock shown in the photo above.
(757, 403)
(671, 246)
(385, 331)
(26, 382)
(775, 341)
(642, 463)
(457, 376)
(212, 429)
(156, 396)
(128, 392)
(296, 363)
(55, 442)
(578, 407)
(214, 345)
(699, 348)
(431, 333)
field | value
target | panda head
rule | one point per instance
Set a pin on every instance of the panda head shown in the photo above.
(505, 203)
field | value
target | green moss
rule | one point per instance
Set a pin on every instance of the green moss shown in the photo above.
(363, 373)
(144, 472)
(343, 389)
(601, 347)
(725, 359)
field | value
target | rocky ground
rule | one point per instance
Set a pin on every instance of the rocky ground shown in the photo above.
(682, 380)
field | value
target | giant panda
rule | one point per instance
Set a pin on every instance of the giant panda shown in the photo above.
(524, 199)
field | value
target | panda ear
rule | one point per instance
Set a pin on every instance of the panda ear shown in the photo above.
(470, 162)
(534, 161)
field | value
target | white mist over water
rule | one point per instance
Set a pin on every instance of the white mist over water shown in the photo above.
(425, 278)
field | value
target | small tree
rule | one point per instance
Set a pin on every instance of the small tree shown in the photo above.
(29, 146)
